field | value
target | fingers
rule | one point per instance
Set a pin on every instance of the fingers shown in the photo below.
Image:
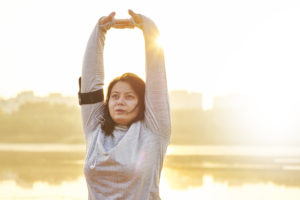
(110, 21)
(123, 23)
(131, 13)
(136, 17)
(121, 26)
(108, 18)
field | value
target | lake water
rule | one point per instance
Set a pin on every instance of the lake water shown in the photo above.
(52, 171)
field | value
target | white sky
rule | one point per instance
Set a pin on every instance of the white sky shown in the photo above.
(214, 47)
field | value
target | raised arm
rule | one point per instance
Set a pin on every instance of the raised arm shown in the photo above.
(92, 79)
(157, 110)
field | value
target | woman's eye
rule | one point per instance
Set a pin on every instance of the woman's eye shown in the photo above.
(130, 97)
(114, 96)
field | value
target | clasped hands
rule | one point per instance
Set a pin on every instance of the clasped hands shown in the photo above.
(122, 23)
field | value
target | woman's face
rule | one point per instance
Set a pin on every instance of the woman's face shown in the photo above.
(123, 104)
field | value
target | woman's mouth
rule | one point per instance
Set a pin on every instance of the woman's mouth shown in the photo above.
(120, 111)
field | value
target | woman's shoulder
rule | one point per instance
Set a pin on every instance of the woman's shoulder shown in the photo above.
(146, 132)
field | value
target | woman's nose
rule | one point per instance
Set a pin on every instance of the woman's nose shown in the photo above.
(120, 101)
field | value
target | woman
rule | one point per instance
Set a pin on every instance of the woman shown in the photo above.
(128, 134)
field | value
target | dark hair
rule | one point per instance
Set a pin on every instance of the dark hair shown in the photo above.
(138, 86)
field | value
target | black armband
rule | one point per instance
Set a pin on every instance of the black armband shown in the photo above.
(89, 97)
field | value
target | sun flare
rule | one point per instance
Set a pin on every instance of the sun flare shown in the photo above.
(159, 42)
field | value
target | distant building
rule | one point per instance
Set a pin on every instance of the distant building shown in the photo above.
(182, 99)
(26, 96)
(58, 98)
(12, 104)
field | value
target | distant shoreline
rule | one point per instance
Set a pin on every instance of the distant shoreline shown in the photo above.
(201, 150)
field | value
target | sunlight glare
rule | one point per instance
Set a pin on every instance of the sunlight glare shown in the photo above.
(159, 41)
(274, 118)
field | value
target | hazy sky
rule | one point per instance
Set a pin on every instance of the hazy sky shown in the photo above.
(214, 47)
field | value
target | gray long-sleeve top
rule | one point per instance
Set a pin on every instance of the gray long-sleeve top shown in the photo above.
(126, 166)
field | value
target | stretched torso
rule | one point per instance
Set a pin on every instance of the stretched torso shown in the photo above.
(130, 169)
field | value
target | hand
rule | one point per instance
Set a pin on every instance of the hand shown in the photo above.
(106, 22)
(123, 23)
(110, 21)
(137, 18)
(107, 19)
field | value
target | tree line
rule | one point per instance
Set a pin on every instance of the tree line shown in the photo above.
(43, 122)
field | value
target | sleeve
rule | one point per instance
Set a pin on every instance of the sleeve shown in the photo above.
(157, 109)
(92, 80)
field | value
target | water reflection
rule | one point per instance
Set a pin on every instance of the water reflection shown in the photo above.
(233, 170)
(59, 175)
(26, 168)
(71, 190)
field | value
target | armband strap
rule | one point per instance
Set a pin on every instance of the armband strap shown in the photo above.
(89, 97)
